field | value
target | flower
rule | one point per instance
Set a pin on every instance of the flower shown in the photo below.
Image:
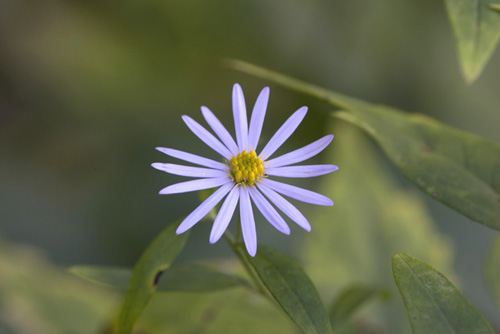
(243, 174)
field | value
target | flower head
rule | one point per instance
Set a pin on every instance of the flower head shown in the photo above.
(243, 175)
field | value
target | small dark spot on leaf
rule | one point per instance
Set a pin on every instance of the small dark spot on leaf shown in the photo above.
(434, 195)
(157, 278)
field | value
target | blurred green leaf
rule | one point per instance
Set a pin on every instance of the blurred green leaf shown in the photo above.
(492, 270)
(292, 289)
(232, 311)
(147, 271)
(189, 277)
(460, 169)
(38, 297)
(495, 6)
(351, 299)
(433, 303)
(373, 217)
(477, 31)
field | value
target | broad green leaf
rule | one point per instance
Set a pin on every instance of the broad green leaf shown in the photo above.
(492, 270)
(147, 271)
(38, 297)
(292, 289)
(352, 242)
(433, 303)
(189, 277)
(351, 299)
(457, 168)
(460, 169)
(477, 31)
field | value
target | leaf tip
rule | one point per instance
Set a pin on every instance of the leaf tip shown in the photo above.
(231, 63)
(495, 7)
(471, 72)
(397, 256)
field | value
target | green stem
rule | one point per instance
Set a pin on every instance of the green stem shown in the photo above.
(240, 253)
(238, 234)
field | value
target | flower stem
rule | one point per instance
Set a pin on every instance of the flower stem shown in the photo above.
(240, 253)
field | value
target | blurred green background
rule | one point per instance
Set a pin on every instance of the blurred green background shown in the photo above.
(88, 89)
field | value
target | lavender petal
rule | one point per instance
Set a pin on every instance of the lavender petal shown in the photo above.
(257, 120)
(224, 216)
(240, 117)
(268, 211)
(204, 208)
(195, 159)
(194, 185)
(189, 171)
(206, 137)
(301, 171)
(283, 133)
(247, 222)
(301, 154)
(297, 193)
(288, 209)
(220, 130)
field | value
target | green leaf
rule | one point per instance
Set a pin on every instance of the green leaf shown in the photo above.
(373, 217)
(457, 168)
(492, 270)
(189, 277)
(477, 31)
(460, 169)
(351, 299)
(38, 297)
(41, 298)
(292, 289)
(238, 310)
(433, 303)
(147, 271)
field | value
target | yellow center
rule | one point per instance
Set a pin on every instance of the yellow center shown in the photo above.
(246, 168)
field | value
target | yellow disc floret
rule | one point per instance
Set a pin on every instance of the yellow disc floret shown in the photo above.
(246, 168)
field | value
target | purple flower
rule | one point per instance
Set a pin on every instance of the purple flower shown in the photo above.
(243, 175)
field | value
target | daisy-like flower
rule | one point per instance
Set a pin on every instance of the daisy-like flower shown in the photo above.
(243, 174)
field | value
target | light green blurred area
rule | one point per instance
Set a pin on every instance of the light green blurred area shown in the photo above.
(89, 89)
(351, 245)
